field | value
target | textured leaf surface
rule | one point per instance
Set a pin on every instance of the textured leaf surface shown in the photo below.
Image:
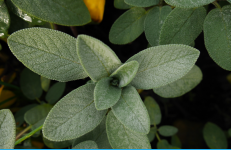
(188, 3)
(30, 84)
(153, 110)
(214, 136)
(47, 52)
(167, 130)
(128, 26)
(73, 116)
(142, 3)
(162, 65)
(68, 12)
(120, 4)
(152, 133)
(131, 112)
(105, 94)
(98, 59)
(57, 145)
(182, 85)
(86, 145)
(153, 23)
(182, 26)
(4, 19)
(122, 138)
(7, 129)
(55, 92)
(126, 73)
(45, 83)
(217, 34)
(175, 141)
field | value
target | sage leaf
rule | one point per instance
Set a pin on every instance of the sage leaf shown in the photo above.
(4, 20)
(73, 116)
(126, 73)
(188, 3)
(167, 130)
(68, 12)
(214, 136)
(131, 112)
(86, 145)
(55, 92)
(142, 3)
(97, 59)
(182, 26)
(47, 52)
(128, 26)
(7, 129)
(229, 1)
(163, 144)
(175, 141)
(182, 85)
(45, 83)
(152, 133)
(120, 4)
(217, 34)
(16, 23)
(30, 84)
(153, 23)
(122, 138)
(162, 65)
(57, 145)
(153, 110)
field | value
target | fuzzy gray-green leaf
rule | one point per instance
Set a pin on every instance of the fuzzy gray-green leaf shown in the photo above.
(128, 26)
(47, 52)
(7, 129)
(131, 112)
(106, 95)
(86, 145)
(55, 92)
(73, 116)
(167, 130)
(120, 4)
(217, 34)
(98, 59)
(188, 3)
(57, 145)
(4, 19)
(182, 85)
(182, 26)
(142, 3)
(122, 138)
(163, 64)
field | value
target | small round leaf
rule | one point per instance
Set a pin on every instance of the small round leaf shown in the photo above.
(167, 130)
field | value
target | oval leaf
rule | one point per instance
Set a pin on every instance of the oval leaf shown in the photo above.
(86, 145)
(214, 137)
(151, 135)
(188, 3)
(55, 92)
(49, 53)
(98, 59)
(167, 130)
(142, 3)
(131, 112)
(175, 141)
(128, 26)
(120, 4)
(73, 116)
(163, 144)
(219, 48)
(4, 19)
(182, 26)
(7, 129)
(126, 73)
(162, 65)
(105, 94)
(153, 23)
(68, 12)
(122, 138)
(182, 85)
(45, 83)
(57, 145)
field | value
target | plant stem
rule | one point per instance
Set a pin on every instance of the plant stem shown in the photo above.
(52, 26)
(161, 2)
(157, 135)
(28, 135)
(24, 131)
(37, 99)
(216, 4)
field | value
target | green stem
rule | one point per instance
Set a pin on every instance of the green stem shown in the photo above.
(9, 85)
(161, 2)
(215, 3)
(24, 131)
(7, 100)
(28, 135)
(37, 99)
(158, 137)
(52, 26)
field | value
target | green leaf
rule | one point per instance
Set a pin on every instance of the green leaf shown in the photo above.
(126, 73)
(4, 19)
(73, 116)
(7, 129)
(229, 1)
(217, 34)
(229, 132)
(142, 3)
(86, 145)
(67, 12)
(131, 112)
(106, 95)
(192, 44)
(122, 138)
(153, 110)
(120, 4)
(188, 3)
(162, 65)
(16, 23)
(55, 92)
(214, 136)
(57, 145)
(152, 133)
(97, 59)
(30, 84)
(167, 130)
(182, 85)
(163, 144)
(49, 53)
(175, 141)
(128, 26)
(45, 83)
(153, 23)
(182, 26)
